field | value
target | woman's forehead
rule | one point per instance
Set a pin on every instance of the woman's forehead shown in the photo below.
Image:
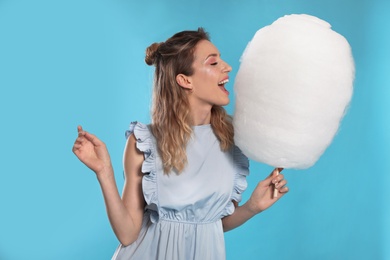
(205, 49)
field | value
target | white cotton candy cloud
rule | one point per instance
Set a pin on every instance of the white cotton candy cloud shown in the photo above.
(292, 89)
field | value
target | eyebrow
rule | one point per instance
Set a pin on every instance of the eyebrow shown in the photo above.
(212, 55)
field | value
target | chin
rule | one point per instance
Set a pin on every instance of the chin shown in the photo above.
(224, 103)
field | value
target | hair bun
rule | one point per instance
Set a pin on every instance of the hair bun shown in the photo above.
(152, 53)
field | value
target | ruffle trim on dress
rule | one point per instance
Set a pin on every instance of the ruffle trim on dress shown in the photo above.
(146, 145)
(241, 165)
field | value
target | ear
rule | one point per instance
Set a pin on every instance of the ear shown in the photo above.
(184, 81)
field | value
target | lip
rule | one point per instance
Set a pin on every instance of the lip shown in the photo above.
(227, 78)
(222, 87)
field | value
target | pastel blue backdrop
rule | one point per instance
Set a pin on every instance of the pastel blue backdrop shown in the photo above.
(64, 63)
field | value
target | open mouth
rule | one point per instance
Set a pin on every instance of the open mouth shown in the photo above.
(222, 83)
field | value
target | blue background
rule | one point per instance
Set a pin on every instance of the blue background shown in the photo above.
(64, 63)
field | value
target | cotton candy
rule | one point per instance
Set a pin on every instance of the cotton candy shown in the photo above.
(292, 89)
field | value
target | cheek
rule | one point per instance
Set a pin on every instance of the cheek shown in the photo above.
(207, 73)
(203, 75)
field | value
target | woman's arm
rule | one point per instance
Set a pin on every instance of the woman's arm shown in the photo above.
(261, 199)
(125, 215)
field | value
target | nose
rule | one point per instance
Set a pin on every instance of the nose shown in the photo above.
(226, 67)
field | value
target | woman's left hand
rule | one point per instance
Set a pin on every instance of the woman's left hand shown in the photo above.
(92, 152)
(263, 195)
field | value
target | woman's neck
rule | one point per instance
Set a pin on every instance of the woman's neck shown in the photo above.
(201, 116)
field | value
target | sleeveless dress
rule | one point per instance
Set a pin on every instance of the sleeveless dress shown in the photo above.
(182, 219)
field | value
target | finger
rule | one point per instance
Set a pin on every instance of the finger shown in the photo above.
(284, 189)
(278, 178)
(82, 133)
(93, 139)
(80, 140)
(280, 184)
(276, 171)
(80, 130)
(76, 146)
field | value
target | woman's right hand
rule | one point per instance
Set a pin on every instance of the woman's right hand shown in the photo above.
(92, 152)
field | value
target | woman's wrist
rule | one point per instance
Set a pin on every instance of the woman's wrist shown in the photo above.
(105, 173)
(251, 207)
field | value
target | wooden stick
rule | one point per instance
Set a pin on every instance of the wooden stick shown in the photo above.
(276, 190)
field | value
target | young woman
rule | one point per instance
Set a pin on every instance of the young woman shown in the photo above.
(183, 174)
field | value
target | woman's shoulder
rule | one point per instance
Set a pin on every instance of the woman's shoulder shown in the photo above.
(142, 133)
(138, 129)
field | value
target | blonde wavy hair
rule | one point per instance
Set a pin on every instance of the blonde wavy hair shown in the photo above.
(171, 120)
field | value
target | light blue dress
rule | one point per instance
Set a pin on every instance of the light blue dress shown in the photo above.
(182, 219)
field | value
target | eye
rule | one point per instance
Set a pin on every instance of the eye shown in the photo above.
(214, 63)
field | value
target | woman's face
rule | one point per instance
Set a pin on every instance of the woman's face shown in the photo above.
(209, 77)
